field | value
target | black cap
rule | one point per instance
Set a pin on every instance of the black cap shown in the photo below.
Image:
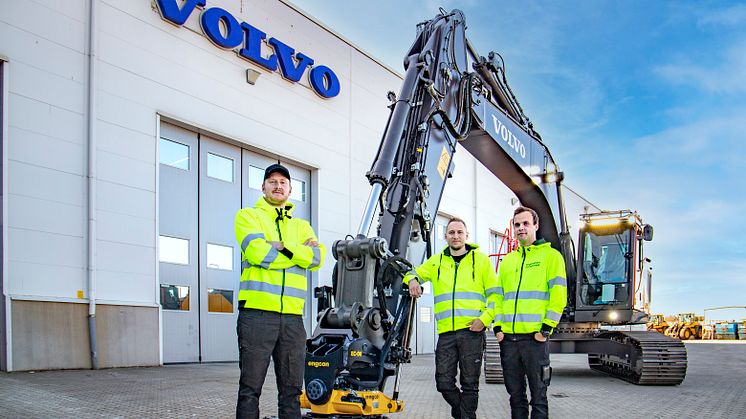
(276, 168)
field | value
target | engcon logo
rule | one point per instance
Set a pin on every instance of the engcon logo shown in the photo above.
(226, 32)
(318, 364)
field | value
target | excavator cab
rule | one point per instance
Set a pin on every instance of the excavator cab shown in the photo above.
(610, 268)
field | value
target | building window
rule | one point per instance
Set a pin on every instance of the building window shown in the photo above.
(175, 297)
(219, 257)
(299, 190)
(426, 315)
(219, 301)
(256, 177)
(495, 241)
(174, 154)
(440, 231)
(498, 247)
(427, 288)
(173, 250)
(219, 167)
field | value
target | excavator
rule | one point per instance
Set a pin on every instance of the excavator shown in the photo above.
(451, 98)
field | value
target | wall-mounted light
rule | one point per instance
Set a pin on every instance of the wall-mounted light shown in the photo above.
(252, 75)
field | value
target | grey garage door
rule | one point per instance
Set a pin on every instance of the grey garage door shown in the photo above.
(203, 182)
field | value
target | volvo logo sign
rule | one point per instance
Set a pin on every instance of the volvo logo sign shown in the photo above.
(507, 135)
(225, 31)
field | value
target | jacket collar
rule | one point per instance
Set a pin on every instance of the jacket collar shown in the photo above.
(540, 242)
(274, 212)
(469, 248)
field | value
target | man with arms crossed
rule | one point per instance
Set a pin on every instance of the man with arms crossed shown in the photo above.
(277, 250)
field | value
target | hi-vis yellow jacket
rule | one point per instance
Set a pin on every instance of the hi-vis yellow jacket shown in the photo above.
(462, 292)
(275, 280)
(533, 289)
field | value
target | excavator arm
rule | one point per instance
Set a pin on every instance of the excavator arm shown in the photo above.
(362, 336)
(449, 94)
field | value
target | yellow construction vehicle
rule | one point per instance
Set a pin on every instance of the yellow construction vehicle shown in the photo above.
(658, 323)
(687, 326)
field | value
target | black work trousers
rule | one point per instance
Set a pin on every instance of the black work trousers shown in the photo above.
(524, 357)
(265, 334)
(459, 351)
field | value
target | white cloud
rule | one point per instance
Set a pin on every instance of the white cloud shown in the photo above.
(721, 74)
(707, 141)
(732, 16)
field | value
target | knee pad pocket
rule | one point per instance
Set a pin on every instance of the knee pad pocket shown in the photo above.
(546, 373)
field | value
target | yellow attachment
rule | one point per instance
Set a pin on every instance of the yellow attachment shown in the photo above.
(376, 403)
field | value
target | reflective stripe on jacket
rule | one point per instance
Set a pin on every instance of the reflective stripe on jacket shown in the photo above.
(533, 289)
(270, 280)
(462, 292)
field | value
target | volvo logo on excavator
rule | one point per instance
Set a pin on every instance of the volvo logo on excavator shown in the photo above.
(225, 31)
(507, 135)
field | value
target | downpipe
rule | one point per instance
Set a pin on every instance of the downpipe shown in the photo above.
(91, 182)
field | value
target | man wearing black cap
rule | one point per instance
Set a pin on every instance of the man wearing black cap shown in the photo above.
(277, 251)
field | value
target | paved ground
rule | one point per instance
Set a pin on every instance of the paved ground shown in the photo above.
(715, 387)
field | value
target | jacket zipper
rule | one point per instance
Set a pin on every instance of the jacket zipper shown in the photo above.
(453, 296)
(282, 293)
(518, 290)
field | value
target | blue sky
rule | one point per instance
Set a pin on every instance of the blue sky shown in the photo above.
(642, 103)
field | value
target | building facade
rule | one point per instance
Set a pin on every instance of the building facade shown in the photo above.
(132, 131)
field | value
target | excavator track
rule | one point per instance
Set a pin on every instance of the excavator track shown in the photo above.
(493, 370)
(654, 359)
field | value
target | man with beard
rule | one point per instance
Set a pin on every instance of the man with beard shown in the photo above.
(465, 290)
(277, 251)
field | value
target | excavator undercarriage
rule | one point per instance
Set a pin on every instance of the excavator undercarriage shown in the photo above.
(644, 358)
(640, 357)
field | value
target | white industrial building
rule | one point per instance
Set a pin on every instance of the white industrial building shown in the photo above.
(130, 140)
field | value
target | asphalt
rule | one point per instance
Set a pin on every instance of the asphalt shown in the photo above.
(715, 387)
